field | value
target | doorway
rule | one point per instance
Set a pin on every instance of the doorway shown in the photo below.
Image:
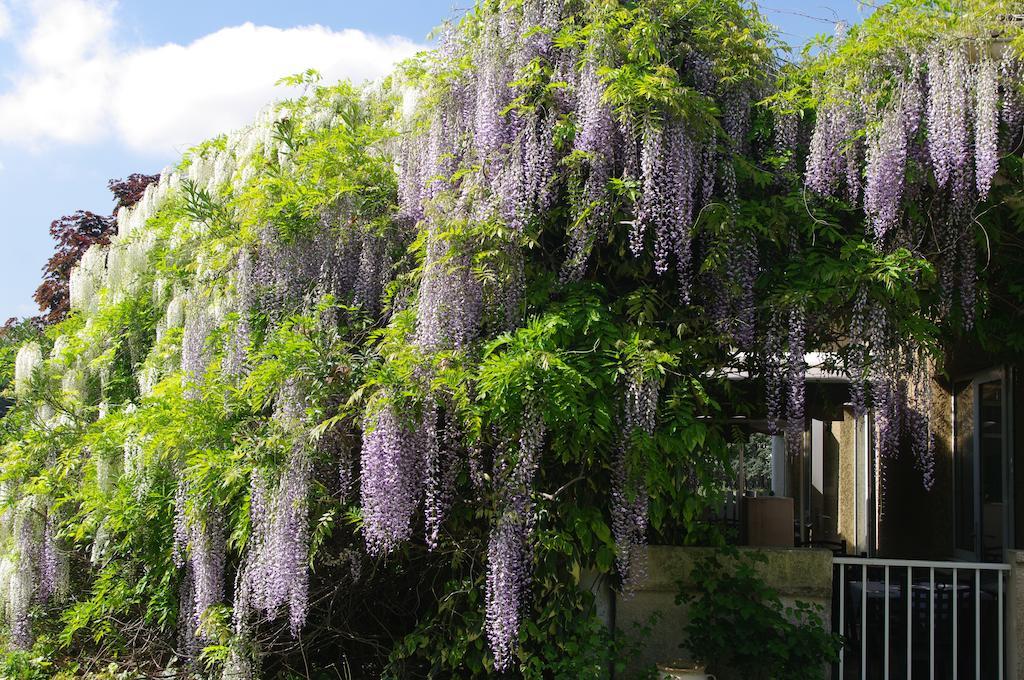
(981, 490)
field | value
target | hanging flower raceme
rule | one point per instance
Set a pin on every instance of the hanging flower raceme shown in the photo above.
(28, 360)
(891, 369)
(450, 303)
(439, 436)
(595, 139)
(207, 546)
(1011, 72)
(276, 572)
(195, 352)
(784, 139)
(917, 414)
(54, 563)
(491, 92)
(797, 373)
(523, 184)
(774, 382)
(509, 550)
(200, 547)
(986, 125)
(859, 358)
(391, 483)
(886, 167)
(235, 361)
(733, 305)
(20, 570)
(948, 94)
(629, 487)
(827, 163)
(669, 174)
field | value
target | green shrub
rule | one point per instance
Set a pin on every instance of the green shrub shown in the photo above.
(738, 622)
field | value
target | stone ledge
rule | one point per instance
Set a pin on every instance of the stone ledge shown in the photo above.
(803, 572)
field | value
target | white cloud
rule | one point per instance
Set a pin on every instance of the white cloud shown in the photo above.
(5, 20)
(67, 33)
(76, 85)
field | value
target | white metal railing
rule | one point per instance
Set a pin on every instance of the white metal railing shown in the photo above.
(873, 586)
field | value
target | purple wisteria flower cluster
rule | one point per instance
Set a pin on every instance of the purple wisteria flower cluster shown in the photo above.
(796, 374)
(479, 122)
(595, 141)
(630, 497)
(391, 483)
(36, 570)
(276, 572)
(943, 117)
(784, 369)
(450, 304)
(832, 155)
(509, 550)
(948, 113)
(200, 547)
(669, 176)
(891, 382)
(195, 352)
(986, 126)
(403, 465)
(886, 168)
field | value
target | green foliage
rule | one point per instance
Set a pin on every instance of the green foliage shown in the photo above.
(328, 166)
(13, 335)
(736, 621)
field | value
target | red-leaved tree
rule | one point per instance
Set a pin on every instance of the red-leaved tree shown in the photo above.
(74, 235)
(128, 192)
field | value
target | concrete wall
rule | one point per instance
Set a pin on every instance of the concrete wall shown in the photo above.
(797, 574)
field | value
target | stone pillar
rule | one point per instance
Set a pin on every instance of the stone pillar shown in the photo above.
(1015, 615)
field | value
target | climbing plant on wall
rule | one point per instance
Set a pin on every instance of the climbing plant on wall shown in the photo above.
(372, 383)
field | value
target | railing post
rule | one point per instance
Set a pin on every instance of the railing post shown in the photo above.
(842, 616)
(864, 622)
(885, 636)
(931, 623)
(956, 621)
(910, 621)
(1001, 624)
(977, 623)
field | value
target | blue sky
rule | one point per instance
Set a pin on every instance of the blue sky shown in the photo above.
(96, 89)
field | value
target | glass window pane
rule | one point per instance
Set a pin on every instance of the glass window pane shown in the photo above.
(990, 449)
(963, 419)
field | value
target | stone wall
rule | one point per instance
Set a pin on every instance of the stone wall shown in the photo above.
(1015, 615)
(797, 574)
